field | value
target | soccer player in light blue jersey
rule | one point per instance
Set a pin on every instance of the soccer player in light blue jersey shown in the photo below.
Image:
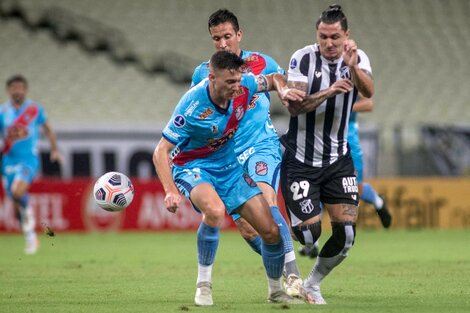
(21, 121)
(198, 140)
(256, 142)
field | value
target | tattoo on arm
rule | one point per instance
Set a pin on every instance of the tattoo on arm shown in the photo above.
(361, 82)
(298, 85)
(262, 83)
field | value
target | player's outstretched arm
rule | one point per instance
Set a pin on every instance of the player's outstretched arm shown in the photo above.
(278, 82)
(161, 161)
(311, 102)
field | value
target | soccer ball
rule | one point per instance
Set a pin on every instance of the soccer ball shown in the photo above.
(113, 191)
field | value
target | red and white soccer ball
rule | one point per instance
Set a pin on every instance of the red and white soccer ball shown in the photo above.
(113, 191)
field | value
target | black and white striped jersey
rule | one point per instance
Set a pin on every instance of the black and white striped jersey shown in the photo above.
(319, 138)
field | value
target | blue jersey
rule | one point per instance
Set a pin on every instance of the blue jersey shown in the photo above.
(21, 129)
(353, 127)
(256, 126)
(355, 145)
(202, 131)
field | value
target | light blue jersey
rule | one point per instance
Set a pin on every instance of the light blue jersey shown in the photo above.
(204, 152)
(355, 145)
(256, 126)
(21, 131)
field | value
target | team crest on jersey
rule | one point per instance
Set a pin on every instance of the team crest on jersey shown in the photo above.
(344, 72)
(179, 121)
(208, 112)
(239, 112)
(306, 206)
(261, 168)
(293, 63)
(249, 180)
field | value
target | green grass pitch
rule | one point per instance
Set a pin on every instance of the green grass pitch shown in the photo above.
(386, 271)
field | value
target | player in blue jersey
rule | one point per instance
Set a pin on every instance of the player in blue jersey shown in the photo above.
(198, 139)
(21, 121)
(256, 142)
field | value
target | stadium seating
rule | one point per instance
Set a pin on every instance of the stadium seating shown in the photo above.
(418, 50)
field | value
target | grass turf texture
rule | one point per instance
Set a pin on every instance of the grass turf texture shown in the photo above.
(387, 271)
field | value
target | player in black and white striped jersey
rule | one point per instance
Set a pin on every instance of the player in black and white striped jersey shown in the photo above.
(317, 166)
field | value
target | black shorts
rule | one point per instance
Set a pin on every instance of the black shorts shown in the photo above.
(304, 187)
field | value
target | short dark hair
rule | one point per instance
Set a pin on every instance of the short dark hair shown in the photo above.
(16, 78)
(222, 16)
(333, 14)
(225, 60)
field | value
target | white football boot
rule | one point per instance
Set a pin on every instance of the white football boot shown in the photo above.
(203, 294)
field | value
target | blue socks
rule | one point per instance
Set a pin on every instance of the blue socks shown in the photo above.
(273, 259)
(255, 244)
(207, 243)
(283, 229)
(369, 195)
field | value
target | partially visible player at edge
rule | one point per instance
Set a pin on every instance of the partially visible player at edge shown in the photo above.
(21, 120)
(198, 138)
(256, 141)
(366, 192)
(317, 166)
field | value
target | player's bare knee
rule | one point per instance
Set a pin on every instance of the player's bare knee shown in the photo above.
(307, 233)
(271, 235)
(214, 216)
(17, 195)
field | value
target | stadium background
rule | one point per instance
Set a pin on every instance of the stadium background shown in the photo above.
(109, 73)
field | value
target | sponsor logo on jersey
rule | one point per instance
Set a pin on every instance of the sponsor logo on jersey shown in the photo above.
(252, 103)
(172, 134)
(344, 72)
(293, 63)
(189, 111)
(350, 185)
(214, 129)
(261, 168)
(239, 112)
(306, 206)
(17, 132)
(249, 180)
(242, 157)
(208, 112)
(179, 121)
(215, 144)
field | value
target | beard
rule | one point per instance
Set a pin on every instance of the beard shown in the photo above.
(17, 98)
